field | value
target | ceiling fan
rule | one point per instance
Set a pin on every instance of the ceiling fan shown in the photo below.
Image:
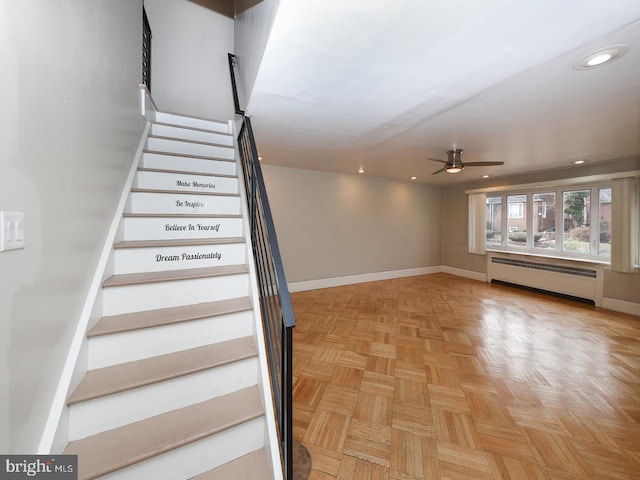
(454, 162)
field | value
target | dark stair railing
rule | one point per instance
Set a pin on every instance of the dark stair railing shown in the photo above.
(275, 302)
(146, 50)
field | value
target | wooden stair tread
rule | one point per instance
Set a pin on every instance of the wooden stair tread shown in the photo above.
(186, 172)
(126, 376)
(182, 215)
(186, 140)
(118, 448)
(178, 243)
(152, 318)
(195, 117)
(183, 192)
(170, 275)
(189, 155)
(254, 465)
(197, 129)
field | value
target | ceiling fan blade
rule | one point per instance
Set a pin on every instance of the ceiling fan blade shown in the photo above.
(482, 164)
(436, 160)
(438, 171)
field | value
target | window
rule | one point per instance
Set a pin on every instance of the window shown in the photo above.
(576, 205)
(494, 221)
(604, 212)
(544, 220)
(517, 223)
(516, 209)
(567, 222)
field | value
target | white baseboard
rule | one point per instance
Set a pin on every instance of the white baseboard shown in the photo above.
(377, 276)
(362, 278)
(622, 306)
(481, 277)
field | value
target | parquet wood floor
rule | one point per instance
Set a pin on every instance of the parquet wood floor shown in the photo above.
(440, 377)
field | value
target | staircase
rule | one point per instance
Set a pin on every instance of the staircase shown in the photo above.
(172, 389)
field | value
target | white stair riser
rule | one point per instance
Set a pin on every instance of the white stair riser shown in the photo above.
(182, 203)
(190, 134)
(198, 457)
(150, 296)
(113, 349)
(158, 259)
(212, 125)
(187, 164)
(185, 183)
(189, 148)
(173, 228)
(112, 411)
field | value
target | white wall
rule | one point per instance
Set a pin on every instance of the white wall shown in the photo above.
(332, 225)
(69, 127)
(189, 66)
(252, 29)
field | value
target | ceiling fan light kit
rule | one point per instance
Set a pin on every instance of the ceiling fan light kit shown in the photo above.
(454, 162)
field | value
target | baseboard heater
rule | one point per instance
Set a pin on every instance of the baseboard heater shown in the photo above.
(583, 283)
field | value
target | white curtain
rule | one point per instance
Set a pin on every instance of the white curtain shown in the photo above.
(477, 223)
(625, 224)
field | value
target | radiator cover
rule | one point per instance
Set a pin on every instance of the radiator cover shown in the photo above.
(548, 274)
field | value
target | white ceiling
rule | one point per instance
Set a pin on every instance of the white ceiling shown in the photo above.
(387, 85)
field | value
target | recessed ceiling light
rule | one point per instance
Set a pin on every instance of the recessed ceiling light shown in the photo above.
(485, 176)
(601, 57)
(413, 178)
(579, 162)
(361, 170)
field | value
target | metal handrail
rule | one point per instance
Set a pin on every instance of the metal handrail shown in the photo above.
(275, 302)
(146, 50)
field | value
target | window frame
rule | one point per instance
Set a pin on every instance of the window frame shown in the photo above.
(558, 251)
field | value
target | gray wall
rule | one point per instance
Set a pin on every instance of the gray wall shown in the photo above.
(455, 208)
(69, 127)
(252, 29)
(621, 286)
(189, 66)
(332, 225)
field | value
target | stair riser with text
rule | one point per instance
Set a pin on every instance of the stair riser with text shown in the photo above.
(173, 228)
(118, 409)
(157, 259)
(107, 350)
(185, 183)
(178, 203)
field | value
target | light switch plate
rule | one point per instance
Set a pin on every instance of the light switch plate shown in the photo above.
(11, 231)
